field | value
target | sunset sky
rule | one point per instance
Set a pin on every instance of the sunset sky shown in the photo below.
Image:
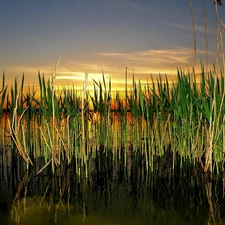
(146, 36)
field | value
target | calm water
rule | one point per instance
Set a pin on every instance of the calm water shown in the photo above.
(110, 194)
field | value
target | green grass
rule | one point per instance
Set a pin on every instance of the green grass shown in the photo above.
(184, 117)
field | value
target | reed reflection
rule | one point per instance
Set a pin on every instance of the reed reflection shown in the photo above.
(112, 193)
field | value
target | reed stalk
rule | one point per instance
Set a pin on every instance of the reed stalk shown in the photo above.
(84, 96)
(193, 30)
(183, 118)
(14, 131)
(3, 93)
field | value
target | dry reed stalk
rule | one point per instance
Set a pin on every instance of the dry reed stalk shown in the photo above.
(223, 57)
(214, 117)
(49, 147)
(53, 146)
(55, 66)
(84, 94)
(206, 36)
(45, 140)
(46, 165)
(194, 34)
(14, 129)
(218, 38)
(66, 149)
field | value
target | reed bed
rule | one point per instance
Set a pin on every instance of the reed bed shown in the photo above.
(183, 119)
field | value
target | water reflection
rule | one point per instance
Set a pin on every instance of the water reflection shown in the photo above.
(110, 193)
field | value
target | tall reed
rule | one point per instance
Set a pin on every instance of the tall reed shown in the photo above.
(183, 118)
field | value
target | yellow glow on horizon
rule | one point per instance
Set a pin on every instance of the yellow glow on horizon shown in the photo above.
(143, 65)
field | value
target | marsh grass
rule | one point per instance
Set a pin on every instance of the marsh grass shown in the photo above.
(183, 118)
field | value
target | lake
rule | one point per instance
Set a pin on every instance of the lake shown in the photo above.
(109, 193)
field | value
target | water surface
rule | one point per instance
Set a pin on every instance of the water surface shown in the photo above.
(109, 193)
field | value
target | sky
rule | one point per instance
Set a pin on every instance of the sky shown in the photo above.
(102, 36)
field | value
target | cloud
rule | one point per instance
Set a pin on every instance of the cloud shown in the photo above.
(142, 64)
(188, 27)
(152, 59)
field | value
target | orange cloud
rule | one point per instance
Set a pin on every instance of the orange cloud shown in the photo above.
(142, 64)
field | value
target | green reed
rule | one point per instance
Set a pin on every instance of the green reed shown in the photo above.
(182, 118)
(101, 102)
